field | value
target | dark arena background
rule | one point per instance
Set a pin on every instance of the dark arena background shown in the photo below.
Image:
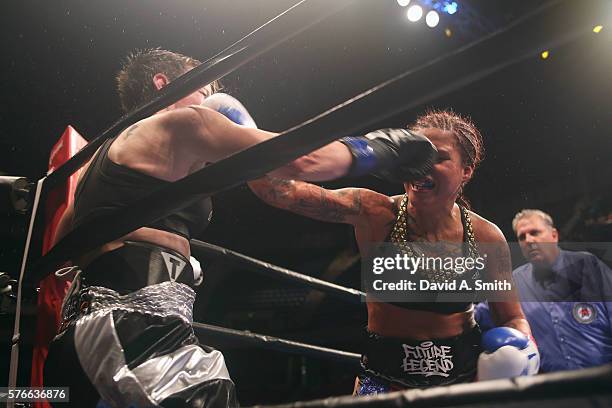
(546, 120)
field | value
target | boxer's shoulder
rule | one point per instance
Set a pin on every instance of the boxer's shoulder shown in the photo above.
(485, 230)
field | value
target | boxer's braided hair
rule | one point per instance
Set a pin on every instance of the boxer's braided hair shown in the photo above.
(468, 137)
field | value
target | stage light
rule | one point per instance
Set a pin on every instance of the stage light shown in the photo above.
(451, 8)
(403, 3)
(597, 28)
(432, 18)
(414, 13)
(544, 54)
(448, 32)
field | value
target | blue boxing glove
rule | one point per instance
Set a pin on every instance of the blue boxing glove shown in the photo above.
(507, 353)
(231, 108)
(396, 155)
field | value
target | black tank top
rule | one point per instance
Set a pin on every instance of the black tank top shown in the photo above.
(107, 186)
(398, 237)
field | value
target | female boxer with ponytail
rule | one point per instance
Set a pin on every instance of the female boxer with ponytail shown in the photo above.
(432, 209)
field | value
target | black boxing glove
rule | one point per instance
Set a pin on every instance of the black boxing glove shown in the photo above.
(396, 155)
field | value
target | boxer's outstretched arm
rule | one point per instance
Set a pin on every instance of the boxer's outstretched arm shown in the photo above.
(353, 206)
(394, 154)
(217, 137)
(330, 162)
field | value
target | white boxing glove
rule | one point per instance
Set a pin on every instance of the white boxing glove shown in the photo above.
(231, 108)
(507, 353)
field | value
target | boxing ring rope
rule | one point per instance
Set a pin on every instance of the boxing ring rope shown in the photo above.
(288, 24)
(222, 334)
(206, 250)
(318, 131)
(207, 332)
(295, 142)
(281, 28)
(591, 383)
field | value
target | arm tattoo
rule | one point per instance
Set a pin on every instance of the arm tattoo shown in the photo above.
(331, 206)
(312, 201)
(503, 263)
(131, 130)
(280, 189)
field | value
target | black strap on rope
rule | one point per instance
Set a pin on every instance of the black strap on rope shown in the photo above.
(369, 107)
(281, 28)
(220, 336)
(204, 249)
(591, 385)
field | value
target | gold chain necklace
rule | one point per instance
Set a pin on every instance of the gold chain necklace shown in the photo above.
(400, 231)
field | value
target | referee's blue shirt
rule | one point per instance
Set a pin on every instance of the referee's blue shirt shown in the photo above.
(570, 313)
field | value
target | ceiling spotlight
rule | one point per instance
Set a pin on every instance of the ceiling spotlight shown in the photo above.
(544, 54)
(597, 29)
(450, 8)
(403, 3)
(414, 13)
(432, 18)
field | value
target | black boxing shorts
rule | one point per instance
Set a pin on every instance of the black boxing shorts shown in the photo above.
(392, 363)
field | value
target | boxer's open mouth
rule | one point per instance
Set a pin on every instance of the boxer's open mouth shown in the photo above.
(424, 184)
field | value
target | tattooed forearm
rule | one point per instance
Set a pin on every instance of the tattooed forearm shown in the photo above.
(309, 200)
(331, 206)
(278, 190)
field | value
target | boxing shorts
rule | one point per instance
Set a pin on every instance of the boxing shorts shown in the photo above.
(131, 343)
(391, 364)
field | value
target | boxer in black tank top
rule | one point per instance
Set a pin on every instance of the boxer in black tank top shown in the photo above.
(127, 337)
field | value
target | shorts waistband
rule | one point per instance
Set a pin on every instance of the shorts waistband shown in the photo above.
(136, 265)
(162, 299)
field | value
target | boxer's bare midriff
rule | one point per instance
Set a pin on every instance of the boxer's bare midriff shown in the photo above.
(153, 236)
(388, 320)
(393, 321)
